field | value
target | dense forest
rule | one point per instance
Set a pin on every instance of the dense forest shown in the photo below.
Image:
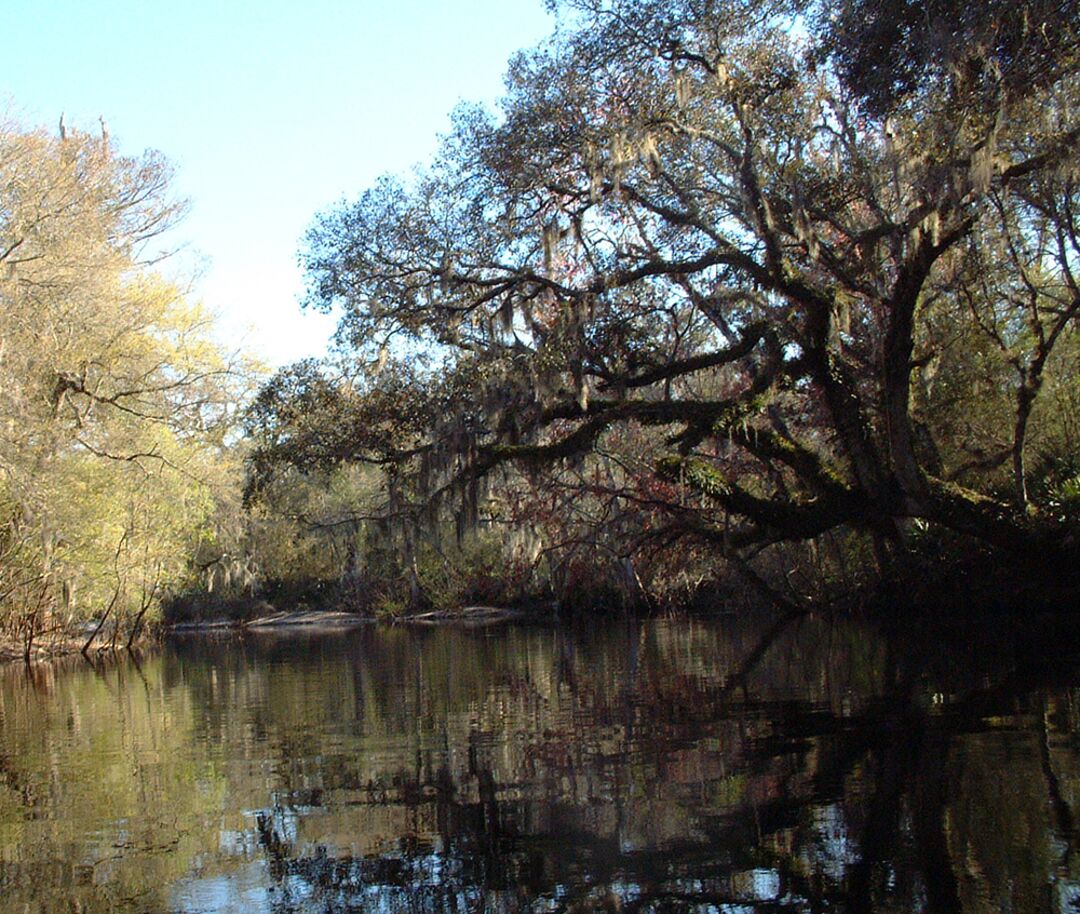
(771, 294)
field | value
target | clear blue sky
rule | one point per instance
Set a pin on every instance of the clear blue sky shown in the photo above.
(271, 111)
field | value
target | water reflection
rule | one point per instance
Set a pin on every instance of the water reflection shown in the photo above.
(669, 766)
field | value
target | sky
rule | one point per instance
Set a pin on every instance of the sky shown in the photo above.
(271, 112)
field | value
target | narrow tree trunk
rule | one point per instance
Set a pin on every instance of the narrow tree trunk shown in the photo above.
(147, 602)
(1025, 400)
(136, 625)
(31, 622)
(100, 625)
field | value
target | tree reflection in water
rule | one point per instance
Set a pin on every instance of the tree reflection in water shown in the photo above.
(740, 764)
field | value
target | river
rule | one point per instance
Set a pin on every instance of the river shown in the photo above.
(734, 764)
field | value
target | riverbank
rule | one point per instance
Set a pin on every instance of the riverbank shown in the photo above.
(310, 619)
(275, 620)
(51, 647)
(975, 588)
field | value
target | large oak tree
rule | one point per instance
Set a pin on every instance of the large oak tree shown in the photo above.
(712, 220)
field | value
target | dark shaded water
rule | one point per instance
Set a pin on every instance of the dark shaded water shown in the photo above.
(734, 765)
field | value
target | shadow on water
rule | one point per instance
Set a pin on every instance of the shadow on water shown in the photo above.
(738, 764)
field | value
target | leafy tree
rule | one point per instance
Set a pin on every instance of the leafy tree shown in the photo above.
(900, 51)
(116, 399)
(699, 220)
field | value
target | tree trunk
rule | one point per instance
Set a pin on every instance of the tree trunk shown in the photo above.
(100, 625)
(1025, 400)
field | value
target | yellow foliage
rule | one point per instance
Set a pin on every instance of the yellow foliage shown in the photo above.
(117, 401)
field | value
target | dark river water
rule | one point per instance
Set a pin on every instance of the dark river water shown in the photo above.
(731, 765)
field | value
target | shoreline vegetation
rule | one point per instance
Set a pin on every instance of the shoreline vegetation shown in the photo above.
(716, 310)
(976, 591)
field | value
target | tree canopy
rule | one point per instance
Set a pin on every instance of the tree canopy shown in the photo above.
(115, 396)
(770, 290)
